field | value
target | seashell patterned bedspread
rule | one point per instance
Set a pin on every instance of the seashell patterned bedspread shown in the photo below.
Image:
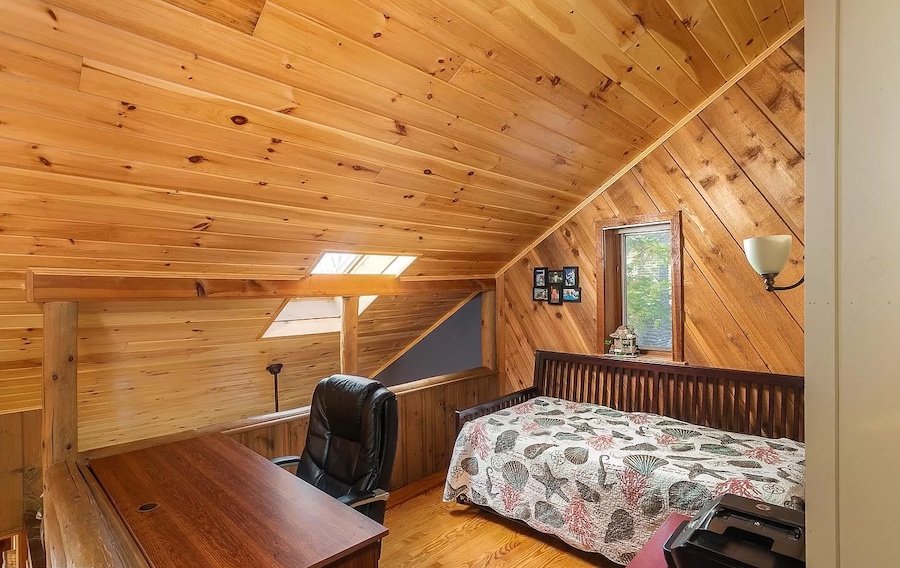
(604, 480)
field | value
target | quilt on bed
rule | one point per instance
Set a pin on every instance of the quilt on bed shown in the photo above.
(604, 480)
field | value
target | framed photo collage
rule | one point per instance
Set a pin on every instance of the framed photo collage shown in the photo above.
(556, 286)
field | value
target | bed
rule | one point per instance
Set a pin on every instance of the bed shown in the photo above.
(599, 451)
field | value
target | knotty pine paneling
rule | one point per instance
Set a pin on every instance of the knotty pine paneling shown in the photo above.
(427, 419)
(21, 326)
(20, 469)
(735, 171)
(427, 431)
(148, 369)
(241, 15)
(242, 138)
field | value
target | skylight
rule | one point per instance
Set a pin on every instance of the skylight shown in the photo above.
(371, 264)
(306, 316)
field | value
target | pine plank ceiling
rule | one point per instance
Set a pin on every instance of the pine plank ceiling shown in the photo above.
(241, 138)
(245, 137)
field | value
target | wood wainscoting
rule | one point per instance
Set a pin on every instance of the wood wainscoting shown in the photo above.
(427, 432)
(20, 469)
(426, 409)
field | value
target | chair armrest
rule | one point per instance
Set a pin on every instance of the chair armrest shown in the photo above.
(518, 397)
(364, 498)
(286, 460)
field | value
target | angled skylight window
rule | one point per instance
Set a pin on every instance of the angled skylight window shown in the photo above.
(306, 316)
(336, 263)
(371, 264)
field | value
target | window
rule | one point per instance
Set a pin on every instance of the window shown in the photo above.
(305, 316)
(647, 284)
(640, 282)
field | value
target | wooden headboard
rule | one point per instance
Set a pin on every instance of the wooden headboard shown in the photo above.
(763, 404)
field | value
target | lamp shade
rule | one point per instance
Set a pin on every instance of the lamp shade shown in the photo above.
(768, 255)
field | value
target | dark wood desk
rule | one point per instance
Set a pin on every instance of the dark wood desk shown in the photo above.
(651, 555)
(220, 504)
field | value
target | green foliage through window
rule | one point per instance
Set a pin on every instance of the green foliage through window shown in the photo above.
(648, 287)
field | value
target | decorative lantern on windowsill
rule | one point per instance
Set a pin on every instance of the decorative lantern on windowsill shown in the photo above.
(624, 342)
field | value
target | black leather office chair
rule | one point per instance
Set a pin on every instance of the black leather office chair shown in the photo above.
(351, 443)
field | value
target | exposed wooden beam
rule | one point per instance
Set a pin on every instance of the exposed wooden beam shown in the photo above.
(61, 286)
(60, 366)
(489, 330)
(350, 335)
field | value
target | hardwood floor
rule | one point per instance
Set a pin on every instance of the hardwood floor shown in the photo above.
(426, 532)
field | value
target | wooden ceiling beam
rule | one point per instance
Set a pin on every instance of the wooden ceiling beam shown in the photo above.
(64, 286)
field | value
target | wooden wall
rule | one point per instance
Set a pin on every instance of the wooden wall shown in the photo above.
(427, 428)
(20, 469)
(735, 171)
(21, 331)
(427, 418)
(148, 369)
(198, 138)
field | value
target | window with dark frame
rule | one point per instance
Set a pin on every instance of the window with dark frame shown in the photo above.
(640, 282)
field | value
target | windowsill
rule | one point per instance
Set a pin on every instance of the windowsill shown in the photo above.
(645, 359)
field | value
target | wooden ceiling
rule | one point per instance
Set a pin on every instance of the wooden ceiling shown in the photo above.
(241, 138)
(244, 137)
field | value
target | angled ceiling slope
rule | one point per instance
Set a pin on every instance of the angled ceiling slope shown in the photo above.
(246, 137)
(242, 138)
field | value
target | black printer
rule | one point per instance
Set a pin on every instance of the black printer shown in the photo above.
(736, 532)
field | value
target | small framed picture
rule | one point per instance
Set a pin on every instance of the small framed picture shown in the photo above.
(555, 277)
(571, 294)
(540, 276)
(570, 276)
(555, 295)
(539, 294)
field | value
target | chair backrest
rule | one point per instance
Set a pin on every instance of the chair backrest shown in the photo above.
(352, 438)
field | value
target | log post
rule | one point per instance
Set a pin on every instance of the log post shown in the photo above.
(501, 334)
(350, 336)
(59, 431)
(489, 330)
(22, 549)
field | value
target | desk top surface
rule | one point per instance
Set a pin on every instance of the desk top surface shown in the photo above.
(219, 503)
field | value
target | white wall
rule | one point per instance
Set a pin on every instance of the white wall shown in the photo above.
(853, 295)
(821, 284)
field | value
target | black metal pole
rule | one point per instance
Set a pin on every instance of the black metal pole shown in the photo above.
(274, 369)
(276, 392)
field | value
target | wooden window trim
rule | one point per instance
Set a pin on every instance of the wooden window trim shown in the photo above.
(609, 283)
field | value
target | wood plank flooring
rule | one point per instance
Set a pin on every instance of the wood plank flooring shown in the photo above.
(426, 532)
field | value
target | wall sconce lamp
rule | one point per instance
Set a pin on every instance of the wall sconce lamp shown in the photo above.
(768, 257)
(274, 369)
